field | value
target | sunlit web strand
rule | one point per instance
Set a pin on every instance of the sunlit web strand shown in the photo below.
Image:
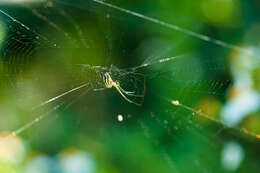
(42, 116)
(23, 25)
(201, 114)
(36, 120)
(96, 68)
(61, 95)
(131, 69)
(162, 60)
(177, 28)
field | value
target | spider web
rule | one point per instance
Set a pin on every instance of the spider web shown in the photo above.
(54, 56)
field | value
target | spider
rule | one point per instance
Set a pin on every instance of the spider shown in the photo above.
(109, 83)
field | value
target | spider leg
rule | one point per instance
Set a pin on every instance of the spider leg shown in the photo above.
(130, 101)
(129, 93)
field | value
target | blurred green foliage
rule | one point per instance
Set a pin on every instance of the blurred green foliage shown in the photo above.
(54, 46)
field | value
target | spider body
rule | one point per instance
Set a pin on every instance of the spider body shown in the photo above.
(109, 83)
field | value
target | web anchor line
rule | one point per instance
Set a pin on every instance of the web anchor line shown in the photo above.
(177, 28)
(42, 116)
(36, 120)
(203, 115)
(130, 70)
(61, 95)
